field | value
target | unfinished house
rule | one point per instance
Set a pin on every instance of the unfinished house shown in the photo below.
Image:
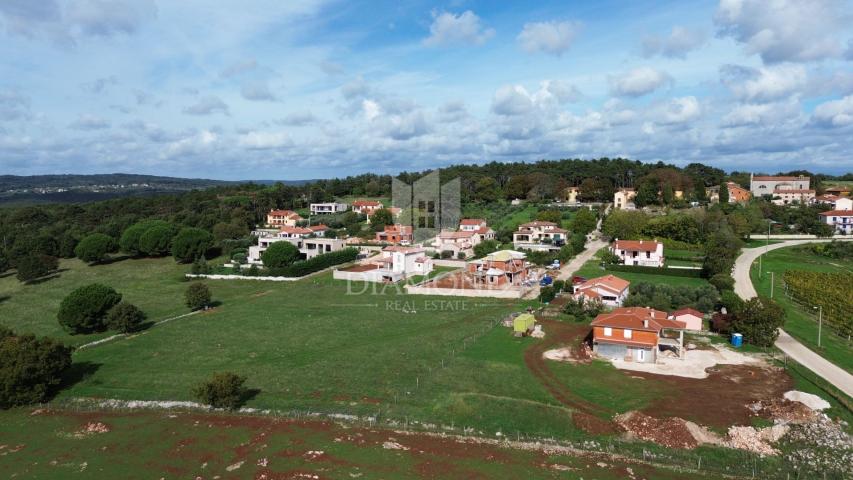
(636, 334)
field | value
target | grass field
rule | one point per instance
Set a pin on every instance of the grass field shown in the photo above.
(593, 268)
(799, 322)
(759, 242)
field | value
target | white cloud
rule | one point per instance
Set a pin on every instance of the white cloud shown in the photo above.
(371, 109)
(89, 122)
(450, 29)
(680, 110)
(207, 106)
(765, 83)
(264, 140)
(191, 144)
(679, 42)
(258, 92)
(784, 30)
(638, 82)
(761, 113)
(835, 113)
(512, 100)
(548, 37)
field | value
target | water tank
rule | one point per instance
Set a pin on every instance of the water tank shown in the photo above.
(737, 339)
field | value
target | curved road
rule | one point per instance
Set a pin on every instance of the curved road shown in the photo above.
(794, 349)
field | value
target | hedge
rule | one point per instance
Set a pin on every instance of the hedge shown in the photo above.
(326, 260)
(672, 272)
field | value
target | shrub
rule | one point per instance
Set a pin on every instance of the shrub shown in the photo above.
(460, 255)
(200, 267)
(190, 244)
(125, 317)
(31, 267)
(223, 390)
(326, 260)
(668, 297)
(280, 254)
(84, 309)
(4, 263)
(30, 368)
(67, 246)
(583, 311)
(446, 254)
(758, 320)
(722, 282)
(197, 296)
(559, 285)
(95, 247)
(485, 247)
(547, 294)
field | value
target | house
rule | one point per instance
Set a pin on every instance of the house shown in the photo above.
(394, 264)
(635, 334)
(504, 267)
(539, 235)
(737, 194)
(396, 234)
(789, 196)
(277, 218)
(478, 226)
(692, 318)
(570, 194)
(294, 232)
(610, 290)
(835, 202)
(327, 207)
(839, 191)
(450, 241)
(644, 253)
(365, 207)
(766, 185)
(318, 230)
(840, 220)
(309, 247)
(623, 199)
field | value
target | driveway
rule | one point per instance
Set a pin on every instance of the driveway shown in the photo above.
(786, 343)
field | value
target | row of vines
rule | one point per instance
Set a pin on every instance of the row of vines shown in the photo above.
(828, 290)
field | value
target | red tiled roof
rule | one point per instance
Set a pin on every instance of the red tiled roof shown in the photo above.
(611, 282)
(538, 223)
(471, 221)
(827, 198)
(397, 248)
(633, 317)
(636, 245)
(484, 230)
(686, 311)
(284, 213)
(765, 178)
(317, 228)
(837, 213)
(366, 203)
(449, 235)
(296, 230)
(837, 188)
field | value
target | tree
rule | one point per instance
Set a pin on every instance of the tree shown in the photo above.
(759, 320)
(647, 194)
(624, 224)
(722, 282)
(224, 390)
(129, 241)
(84, 310)
(380, 218)
(668, 195)
(125, 318)
(30, 368)
(197, 296)
(67, 245)
(487, 190)
(721, 250)
(31, 267)
(191, 243)
(485, 247)
(547, 294)
(584, 221)
(280, 254)
(156, 241)
(95, 247)
(4, 263)
(724, 193)
(553, 216)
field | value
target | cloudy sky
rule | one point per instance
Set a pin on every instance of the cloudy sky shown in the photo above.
(315, 88)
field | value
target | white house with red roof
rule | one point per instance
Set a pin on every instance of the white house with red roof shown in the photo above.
(692, 318)
(366, 207)
(841, 218)
(539, 235)
(635, 334)
(394, 264)
(643, 253)
(283, 218)
(609, 290)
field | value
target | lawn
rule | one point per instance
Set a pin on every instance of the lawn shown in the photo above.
(593, 268)
(799, 322)
(759, 242)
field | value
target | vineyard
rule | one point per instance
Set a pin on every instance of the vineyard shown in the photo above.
(830, 290)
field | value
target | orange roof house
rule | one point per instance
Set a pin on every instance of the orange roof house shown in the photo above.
(635, 334)
(692, 318)
(737, 194)
(610, 290)
(395, 234)
(365, 206)
(283, 217)
(645, 253)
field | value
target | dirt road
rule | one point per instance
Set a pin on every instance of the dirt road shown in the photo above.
(794, 349)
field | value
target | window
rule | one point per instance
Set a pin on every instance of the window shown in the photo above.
(627, 333)
(608, 332)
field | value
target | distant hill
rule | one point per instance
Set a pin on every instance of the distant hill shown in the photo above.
(37, 189)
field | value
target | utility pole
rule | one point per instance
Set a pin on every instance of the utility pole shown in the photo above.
(819, 309)
(771, 285)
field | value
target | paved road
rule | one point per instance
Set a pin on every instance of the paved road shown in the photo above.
(794, 349)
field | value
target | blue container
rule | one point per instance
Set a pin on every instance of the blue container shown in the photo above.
(737, 339)
(546, 280)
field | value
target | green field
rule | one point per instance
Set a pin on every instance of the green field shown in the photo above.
(799, 322)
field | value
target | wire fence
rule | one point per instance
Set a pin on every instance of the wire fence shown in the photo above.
(813, 314)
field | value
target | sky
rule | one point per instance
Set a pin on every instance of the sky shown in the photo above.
(274, 89)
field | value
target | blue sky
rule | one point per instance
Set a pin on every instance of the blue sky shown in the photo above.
(316, 88)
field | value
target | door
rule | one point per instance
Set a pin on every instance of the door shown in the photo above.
(641, 355)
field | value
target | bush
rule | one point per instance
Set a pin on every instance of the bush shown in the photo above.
(223, 390)
(4, 263)
(671, 272)
(758, 320)
(190, 244)
(280, 254)
(200, 267)
(197, 296)
(559, 285)
(722, 282)
(125, 318)
(731, 302)
(668, 297)
(30, 368)
(583, 311)
(326, 260)
(67, 246)
(95, 247)
(31, 267)
(460, 255)
(547, 294)
(84, 310)
(485, 247)
(446, 254)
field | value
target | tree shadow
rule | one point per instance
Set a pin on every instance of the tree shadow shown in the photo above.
(214, 304)
(46, 278)
(6, 274)
(76, 373)
(115, 259)
(248, 395)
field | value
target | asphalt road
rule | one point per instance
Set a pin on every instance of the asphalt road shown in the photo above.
(786, 343)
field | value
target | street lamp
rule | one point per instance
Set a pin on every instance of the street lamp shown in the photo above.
(819, 308)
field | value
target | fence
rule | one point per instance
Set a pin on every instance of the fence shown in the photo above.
(672, 272)
(809, 310)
